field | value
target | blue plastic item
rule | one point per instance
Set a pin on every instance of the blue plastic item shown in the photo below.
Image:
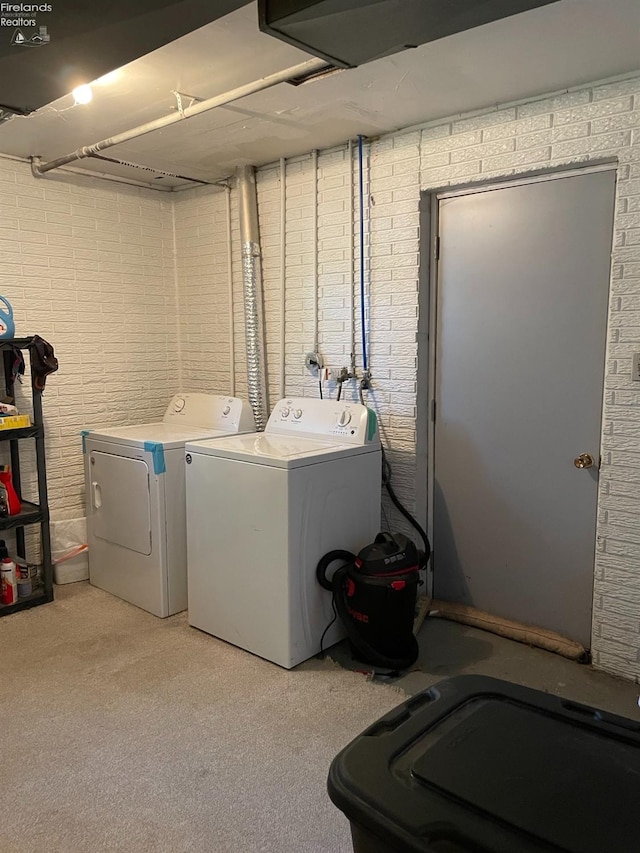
(157, 454)
(7, 326)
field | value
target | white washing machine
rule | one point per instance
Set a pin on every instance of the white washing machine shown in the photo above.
(282, 498)
(135, 493)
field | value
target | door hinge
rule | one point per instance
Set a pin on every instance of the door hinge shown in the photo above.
(436, 249)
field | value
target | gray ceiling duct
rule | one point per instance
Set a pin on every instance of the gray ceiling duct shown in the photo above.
(352, 32)
(47, 49)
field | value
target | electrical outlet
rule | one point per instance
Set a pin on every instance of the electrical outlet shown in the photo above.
(635, 368)
(313, 361)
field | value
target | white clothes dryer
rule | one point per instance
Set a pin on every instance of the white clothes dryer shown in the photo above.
(135, 496)
(263, 508)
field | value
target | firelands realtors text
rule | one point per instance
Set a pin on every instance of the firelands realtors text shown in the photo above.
(21, 9)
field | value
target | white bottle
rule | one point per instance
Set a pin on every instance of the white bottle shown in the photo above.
(8, 581)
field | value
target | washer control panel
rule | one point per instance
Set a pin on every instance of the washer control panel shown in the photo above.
(350, 423)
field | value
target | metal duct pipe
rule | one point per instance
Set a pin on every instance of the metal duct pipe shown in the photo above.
(232, 337)
(252, 286)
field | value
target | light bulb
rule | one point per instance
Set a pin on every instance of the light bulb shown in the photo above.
(82, 94)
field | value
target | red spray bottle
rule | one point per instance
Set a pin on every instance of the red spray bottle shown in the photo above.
(9, 500)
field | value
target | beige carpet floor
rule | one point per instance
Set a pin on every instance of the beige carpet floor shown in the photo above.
(123, 732)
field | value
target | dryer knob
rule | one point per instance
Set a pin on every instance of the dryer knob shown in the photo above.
(179, 404)
(285, 412)
(344, 418)
(226, 410)
(297, 414)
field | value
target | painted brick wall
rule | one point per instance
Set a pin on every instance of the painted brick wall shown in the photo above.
(202, 273)
(591, 123)
(88, 265)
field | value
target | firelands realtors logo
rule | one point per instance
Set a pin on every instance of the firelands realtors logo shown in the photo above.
(21, 17)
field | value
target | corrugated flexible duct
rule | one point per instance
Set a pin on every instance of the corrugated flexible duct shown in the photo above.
(252, 286)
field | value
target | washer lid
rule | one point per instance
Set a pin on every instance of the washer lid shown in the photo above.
(280, 451)
(168, 435)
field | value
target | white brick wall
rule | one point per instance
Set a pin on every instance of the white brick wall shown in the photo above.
(88, 265)
(202, 273)
(587, 124)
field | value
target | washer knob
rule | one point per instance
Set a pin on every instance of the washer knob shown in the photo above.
(226, 410)
(297, 414)
(285, 412)
(344, 418)
(179, 404)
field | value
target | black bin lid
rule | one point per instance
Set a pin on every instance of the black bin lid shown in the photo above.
(478, 764)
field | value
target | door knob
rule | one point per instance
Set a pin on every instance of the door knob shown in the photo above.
(585, 460)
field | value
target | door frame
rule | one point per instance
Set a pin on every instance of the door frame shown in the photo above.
(427, 317)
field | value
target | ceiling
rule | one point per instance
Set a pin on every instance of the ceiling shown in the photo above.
(77, 42)
(543, 50)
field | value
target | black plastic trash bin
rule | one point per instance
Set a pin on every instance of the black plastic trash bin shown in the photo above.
(478, 764)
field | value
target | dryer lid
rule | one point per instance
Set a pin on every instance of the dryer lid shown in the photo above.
(168, 435)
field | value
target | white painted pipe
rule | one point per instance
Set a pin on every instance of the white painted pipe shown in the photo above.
(352, 244)
(103, 176)
(292, 72)
(283, 275)
(314, 238)
(232, 359)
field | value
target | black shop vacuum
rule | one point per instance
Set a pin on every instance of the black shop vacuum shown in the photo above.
(375, 593)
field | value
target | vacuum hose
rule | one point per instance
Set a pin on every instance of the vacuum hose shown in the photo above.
(424, 555)
(386, 480)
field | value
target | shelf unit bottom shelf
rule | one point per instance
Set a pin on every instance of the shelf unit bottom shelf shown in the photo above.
(40, 596)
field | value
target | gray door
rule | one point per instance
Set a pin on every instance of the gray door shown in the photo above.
(520, 346)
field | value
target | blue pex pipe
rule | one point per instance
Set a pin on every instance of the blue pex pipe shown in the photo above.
(362, 311)
(157, 454)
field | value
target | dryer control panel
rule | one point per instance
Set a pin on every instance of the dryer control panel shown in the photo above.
(344, 422)
(213, 411)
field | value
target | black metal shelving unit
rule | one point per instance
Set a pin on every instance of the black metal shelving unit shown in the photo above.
(31, 513)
